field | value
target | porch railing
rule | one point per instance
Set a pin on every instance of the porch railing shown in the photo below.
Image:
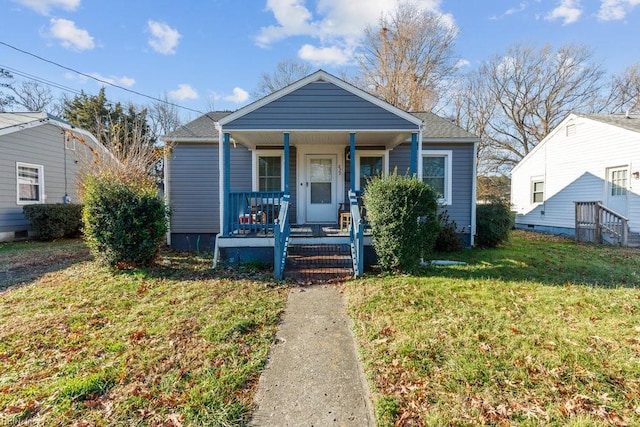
(594, 221)
(356, 235)
(253, 211)
(281, 234)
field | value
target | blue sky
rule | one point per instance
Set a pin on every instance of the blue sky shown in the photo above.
(209, 54)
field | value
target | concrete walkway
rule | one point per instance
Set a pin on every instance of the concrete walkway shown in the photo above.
(313, 376)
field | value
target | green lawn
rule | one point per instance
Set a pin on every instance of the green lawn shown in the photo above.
(541, 331)
(176, 344)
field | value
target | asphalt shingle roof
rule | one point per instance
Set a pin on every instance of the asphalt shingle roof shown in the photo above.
(439, 127)
(202, 127)
(630, 122)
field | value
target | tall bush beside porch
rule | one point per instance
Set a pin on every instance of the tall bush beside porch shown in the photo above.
(403, 214)
(124, 223)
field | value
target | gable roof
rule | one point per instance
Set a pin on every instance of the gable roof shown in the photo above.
(16, 121)
(436, 127)
(320, 76)
(626, 121)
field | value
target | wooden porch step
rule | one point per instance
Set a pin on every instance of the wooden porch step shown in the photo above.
(319, 263)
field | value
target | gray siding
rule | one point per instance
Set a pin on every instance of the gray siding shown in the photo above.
(194, 188)
(462, 177)
(462, 185)
(42, 145)
(320, 105)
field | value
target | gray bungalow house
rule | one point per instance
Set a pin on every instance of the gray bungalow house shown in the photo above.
(252, 182)
(40, 157)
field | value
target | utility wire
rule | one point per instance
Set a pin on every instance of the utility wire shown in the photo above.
(98, 79)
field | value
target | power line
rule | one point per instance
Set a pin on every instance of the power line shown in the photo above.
(98, 79)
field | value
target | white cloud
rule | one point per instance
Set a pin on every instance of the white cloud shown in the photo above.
(183, 92)
(239, 96)
(69, 35)
(44, 6)
(338, 25)
(164, 39)
(462, 63)
(325, 55)
(568, 10)
(613, 10)
(114, 80)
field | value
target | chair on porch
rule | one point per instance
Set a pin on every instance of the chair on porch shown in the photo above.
(344, 216)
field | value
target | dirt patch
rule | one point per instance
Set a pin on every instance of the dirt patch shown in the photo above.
(26, 261)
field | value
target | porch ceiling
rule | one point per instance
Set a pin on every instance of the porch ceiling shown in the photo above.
(252, 139)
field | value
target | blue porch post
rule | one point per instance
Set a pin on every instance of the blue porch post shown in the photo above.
(226, 182)
(286, 163)
(414, 154)
(352, 172)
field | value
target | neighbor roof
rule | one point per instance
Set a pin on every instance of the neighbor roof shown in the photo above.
(16, 121)
(436, 127)
(629, 122)
(202, 127)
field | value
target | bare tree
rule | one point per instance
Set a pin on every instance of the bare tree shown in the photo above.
(515, 99)
(286, 73)
(624, 91)
(32, 96)
(407, 57)
(163, 117)
(6, 100)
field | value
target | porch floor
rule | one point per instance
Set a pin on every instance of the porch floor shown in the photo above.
(303, 230)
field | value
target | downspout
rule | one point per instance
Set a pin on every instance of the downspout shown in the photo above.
(474, 194)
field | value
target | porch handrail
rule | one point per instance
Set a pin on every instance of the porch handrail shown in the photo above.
(253, 211)
(593, 219)
(281, 233)
(356, 235)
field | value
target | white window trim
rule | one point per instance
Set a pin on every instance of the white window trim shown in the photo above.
(535, 179)
(448, 155)
(255, 165)
(371, 153)
(40, 184)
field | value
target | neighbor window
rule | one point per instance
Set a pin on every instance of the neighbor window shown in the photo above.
(436, 172)
(537, 191)
(619, 182)
(269, 173)
(30, 179)
(369, 164)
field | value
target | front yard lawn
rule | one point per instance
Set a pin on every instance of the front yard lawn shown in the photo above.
(542, 331)
(172, 345)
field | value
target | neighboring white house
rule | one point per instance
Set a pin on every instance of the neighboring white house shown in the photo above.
(586, 158)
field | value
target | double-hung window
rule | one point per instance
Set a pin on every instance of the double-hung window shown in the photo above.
(269, 176)
(537, 191)
(436, 172)
(30, 183)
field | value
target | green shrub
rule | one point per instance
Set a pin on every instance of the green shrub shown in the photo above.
(448, 239)
(494, 221)
(56, 220)
(124, 225)
(402, 212)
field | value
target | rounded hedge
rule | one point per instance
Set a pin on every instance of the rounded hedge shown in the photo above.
(403, 214)
(494, 222)
(123, 225)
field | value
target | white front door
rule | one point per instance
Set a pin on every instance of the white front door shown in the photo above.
(321, 186)
(617, 189)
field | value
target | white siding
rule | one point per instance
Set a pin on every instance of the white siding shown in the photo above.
(574, 169)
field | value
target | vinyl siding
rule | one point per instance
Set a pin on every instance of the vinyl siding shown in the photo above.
(194, 188)
(320, 105)
(41, 145)
(574, 169)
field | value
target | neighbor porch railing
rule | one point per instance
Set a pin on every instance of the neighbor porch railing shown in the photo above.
(356, 235)
(253, 211)
(594, 221)
(281, 234)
